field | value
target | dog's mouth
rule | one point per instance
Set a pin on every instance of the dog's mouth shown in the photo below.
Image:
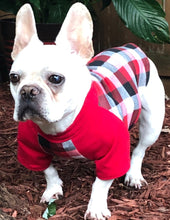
(27, 114)
(28, 111)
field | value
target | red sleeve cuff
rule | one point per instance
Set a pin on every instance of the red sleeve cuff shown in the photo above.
(30, 153)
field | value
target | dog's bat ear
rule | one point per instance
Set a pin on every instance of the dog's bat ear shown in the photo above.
(76, 32)
(25, 29)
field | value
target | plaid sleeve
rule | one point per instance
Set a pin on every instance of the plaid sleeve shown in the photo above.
(30, 154)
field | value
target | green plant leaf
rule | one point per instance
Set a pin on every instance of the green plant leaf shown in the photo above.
(57, 14)
(145, 18)
(52, 209)
(35, 3)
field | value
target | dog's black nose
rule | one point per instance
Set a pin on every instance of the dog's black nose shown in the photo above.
(29, 92)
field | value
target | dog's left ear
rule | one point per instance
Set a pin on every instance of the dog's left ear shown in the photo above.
(25, 29)
(76, 32)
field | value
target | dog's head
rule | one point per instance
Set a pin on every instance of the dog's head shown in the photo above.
(48, 81)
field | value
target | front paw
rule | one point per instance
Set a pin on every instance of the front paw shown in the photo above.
(52, 191)
(97, 211)
(134, 179)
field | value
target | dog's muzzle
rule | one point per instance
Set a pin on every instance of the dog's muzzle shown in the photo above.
(29, 93)
(29, 106)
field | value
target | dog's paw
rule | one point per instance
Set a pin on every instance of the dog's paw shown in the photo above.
(97, 212)
(54, 191)
(136, 180)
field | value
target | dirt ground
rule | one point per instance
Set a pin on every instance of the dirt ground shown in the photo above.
(21, 189)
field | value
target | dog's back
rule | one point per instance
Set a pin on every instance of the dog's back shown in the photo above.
(119, 72)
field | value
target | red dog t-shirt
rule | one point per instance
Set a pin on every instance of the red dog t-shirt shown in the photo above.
(97, 133)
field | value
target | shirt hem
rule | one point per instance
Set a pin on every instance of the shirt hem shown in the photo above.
(33, 168)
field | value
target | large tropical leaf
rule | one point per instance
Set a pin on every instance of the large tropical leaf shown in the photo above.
(145, 18)
(57, 11)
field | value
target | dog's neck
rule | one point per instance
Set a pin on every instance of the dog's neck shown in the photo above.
(59, 126)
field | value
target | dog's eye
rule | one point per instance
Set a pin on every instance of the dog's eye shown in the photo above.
(56, 79)
(14, 78)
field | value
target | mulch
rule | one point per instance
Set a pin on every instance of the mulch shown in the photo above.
(21, 189)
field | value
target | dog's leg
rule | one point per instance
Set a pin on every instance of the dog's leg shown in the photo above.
(97, 207)
(54, 185)
(151, 120)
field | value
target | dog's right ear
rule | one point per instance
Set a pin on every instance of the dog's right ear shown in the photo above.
(25, 29)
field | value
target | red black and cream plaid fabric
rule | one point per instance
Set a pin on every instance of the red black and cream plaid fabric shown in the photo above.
(118, 73)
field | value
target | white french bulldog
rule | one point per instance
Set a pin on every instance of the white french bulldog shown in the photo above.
(58, 101)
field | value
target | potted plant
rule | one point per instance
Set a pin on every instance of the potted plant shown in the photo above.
(49, 15)
(145, 18)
